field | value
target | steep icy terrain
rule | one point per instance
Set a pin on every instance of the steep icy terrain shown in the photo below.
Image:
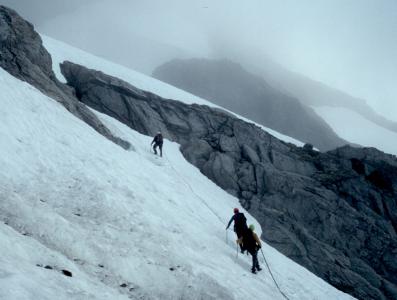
(321, 209)
(71, 199)
(350, 190)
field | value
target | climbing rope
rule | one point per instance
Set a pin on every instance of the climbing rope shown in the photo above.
(268, 267)
(191, 189)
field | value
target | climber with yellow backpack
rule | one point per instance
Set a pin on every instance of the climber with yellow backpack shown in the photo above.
(250, 242)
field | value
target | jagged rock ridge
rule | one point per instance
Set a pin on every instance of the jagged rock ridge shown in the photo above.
(22, 55)
(335, 213)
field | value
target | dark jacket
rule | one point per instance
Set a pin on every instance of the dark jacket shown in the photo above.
(158, 139)
(240, 222)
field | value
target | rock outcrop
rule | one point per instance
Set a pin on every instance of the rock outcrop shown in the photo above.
(22, 55)
(227, 84)
(334, 213)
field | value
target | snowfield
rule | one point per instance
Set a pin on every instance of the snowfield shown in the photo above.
(127, 224)
(61, 52)
(352, 127)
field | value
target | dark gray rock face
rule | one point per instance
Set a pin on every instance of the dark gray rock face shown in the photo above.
(230, 86)
(22, 55)
(334, 213)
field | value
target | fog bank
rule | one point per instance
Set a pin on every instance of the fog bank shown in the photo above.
(347, 44)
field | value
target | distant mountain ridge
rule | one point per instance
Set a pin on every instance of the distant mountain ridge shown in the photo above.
(227, 84)
(309, 91)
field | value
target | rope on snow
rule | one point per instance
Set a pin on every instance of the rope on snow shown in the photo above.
(220, 220)
(190, 187)
(268, 267)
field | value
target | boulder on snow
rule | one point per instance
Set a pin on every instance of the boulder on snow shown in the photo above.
(67, 273)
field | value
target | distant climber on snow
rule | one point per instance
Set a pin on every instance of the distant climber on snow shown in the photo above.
(158, 142)
(252, 244)
(240, 224)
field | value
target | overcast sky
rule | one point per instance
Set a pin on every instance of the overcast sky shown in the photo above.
(347, 44)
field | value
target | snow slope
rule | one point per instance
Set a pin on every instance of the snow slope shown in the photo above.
(352, 127)
(73, 200)
(61, 52)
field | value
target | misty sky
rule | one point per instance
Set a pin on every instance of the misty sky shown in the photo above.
(347, 44)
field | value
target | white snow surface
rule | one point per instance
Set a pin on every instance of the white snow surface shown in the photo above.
(71, 199)
(61, 52)
(352, 127)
